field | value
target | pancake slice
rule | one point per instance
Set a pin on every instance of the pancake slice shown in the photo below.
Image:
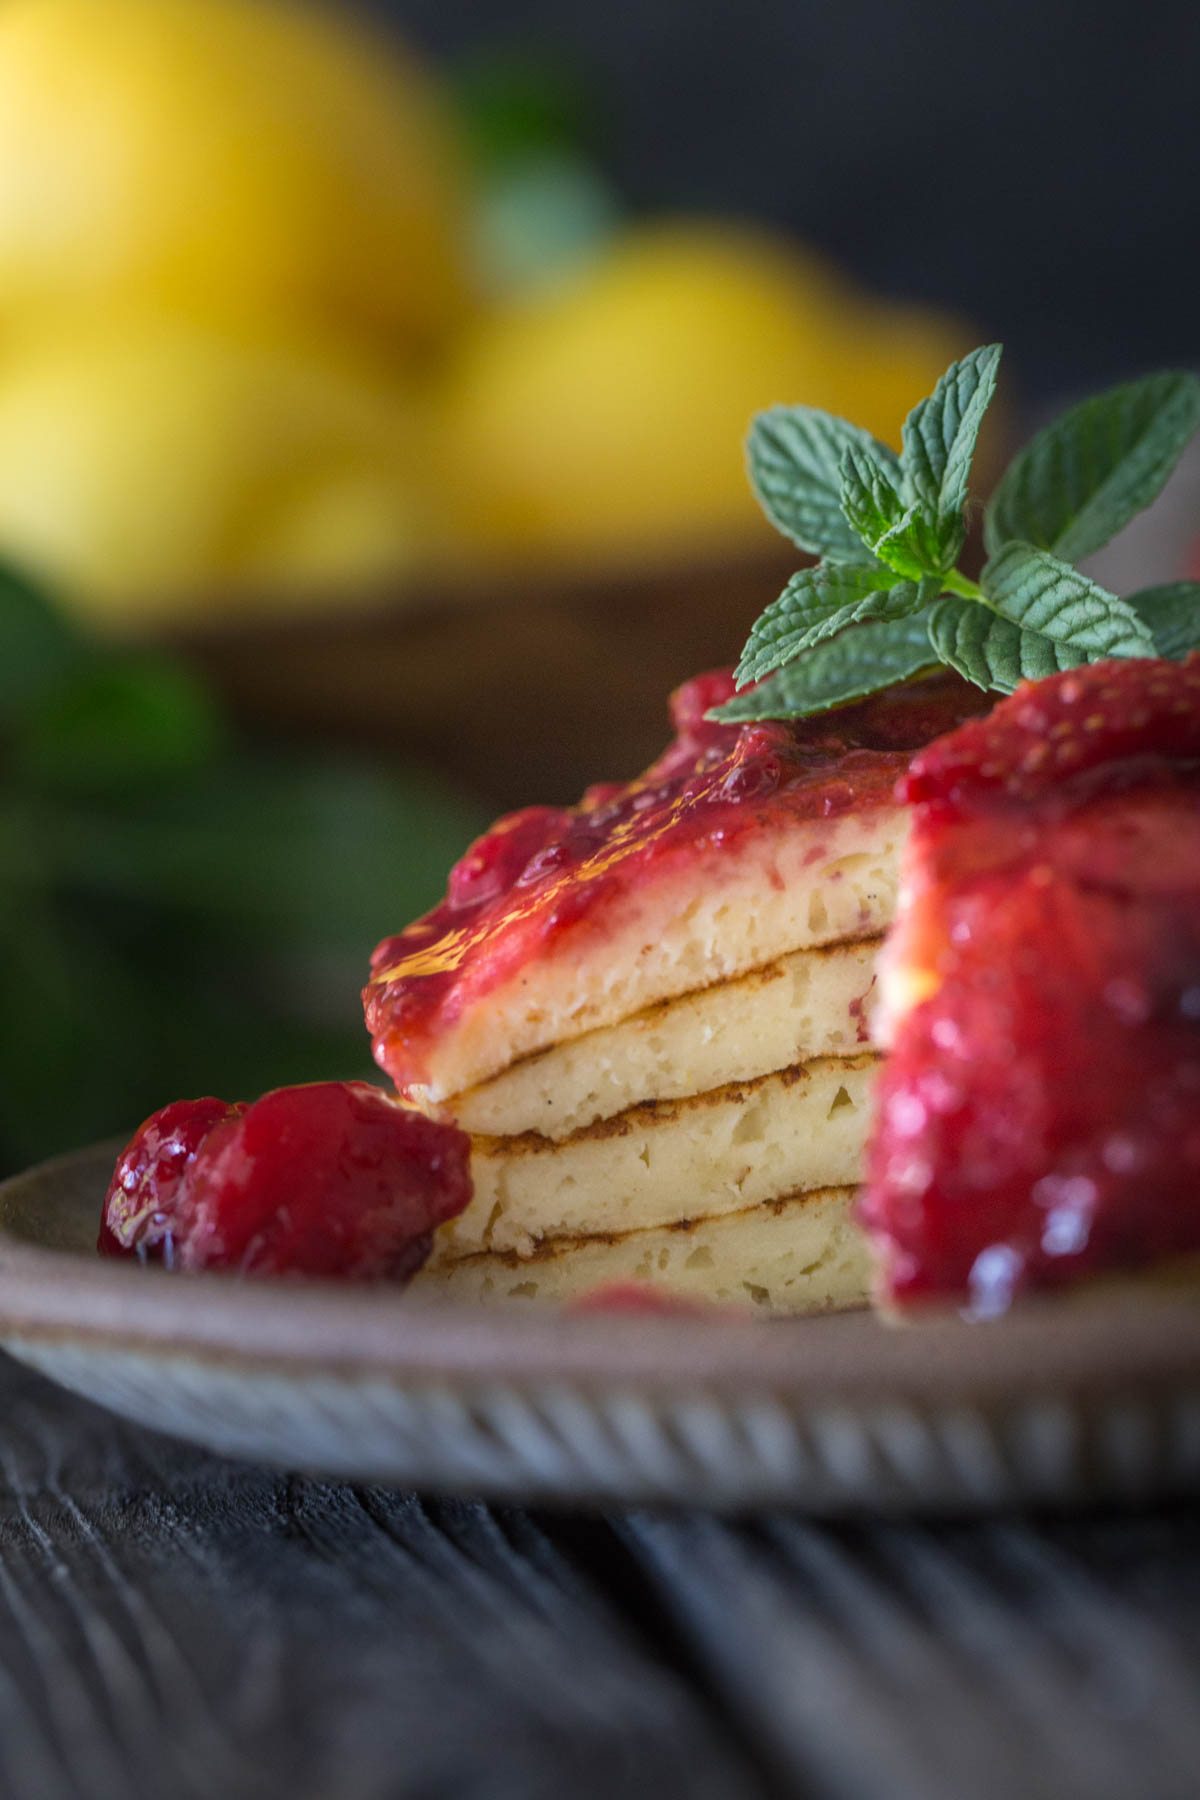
(709, 919)
(651, 1010)
(739, 1146)
(813, 1003)
(803, 1253)
(740, 845)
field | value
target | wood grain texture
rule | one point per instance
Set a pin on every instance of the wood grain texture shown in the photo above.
(175, 1625)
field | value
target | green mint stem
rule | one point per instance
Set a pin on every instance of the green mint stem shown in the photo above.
(954, 583)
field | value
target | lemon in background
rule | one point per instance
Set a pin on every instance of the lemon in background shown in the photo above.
(238, 160)
(236, 253)
(151, 469)
(606, 417)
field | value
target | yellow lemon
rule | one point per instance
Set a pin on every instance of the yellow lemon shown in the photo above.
(235, 159)
(607, 418)
(152, 469)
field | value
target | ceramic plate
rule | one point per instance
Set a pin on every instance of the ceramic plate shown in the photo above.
(1061, 1403)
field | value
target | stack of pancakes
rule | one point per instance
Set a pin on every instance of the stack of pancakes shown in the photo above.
(709, 1142)
(674, 1087)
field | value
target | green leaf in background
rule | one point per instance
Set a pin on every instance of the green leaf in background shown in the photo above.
(514, 105)
(77, 1041)
(1043, 594)
(542, 201)
(207, 933)
(939, 442)
(180, 912)
(817, 603)
(1172, 615)
(794, 456)
(38, 648)
(304, 849)
(1085, 476)
(533, 222)
(121, 724)
(843, 668)
(991, 651)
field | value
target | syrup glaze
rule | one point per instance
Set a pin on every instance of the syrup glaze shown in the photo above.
(544, 872)
(1039, 1116)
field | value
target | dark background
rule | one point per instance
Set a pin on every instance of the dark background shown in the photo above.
(1034, 165)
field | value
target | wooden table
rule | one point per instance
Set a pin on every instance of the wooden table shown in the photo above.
(175, 1625)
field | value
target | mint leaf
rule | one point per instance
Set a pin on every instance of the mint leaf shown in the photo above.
(1085, 476)
(910, 548)
(794, 456)
(991, 651)
(894, 532)
(1038, 591)
(815, 605)
(1172, 613)
(939, 441)
(870, 499)
(845, 668)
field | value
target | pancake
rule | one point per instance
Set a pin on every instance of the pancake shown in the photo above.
(814, 1003)
(788, 1132)
(651, 1011)
(798, 1253)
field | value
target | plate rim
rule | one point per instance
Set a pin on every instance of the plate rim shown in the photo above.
(1111, 1340)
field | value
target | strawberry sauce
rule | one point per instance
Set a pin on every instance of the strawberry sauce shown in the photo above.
(542, 873)
(1039, 1116)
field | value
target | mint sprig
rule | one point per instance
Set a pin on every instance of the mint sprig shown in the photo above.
(887, 601)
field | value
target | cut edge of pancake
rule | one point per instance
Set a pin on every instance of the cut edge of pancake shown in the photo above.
(794, 1130)
(795, 1253)
(830, 881)
(806, 1005)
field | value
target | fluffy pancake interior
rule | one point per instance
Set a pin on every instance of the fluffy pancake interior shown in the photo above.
(719, 1152)
(800, 1254)
(810, 1004)
(711, 919)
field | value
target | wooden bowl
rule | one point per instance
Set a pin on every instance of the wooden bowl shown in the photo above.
(522, 690)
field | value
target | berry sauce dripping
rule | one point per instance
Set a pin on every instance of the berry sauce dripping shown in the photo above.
(547, 870)
(1039, 1115)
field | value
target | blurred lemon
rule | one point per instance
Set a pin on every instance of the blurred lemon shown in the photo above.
(154, 468)
(239, 160)
(607, 417)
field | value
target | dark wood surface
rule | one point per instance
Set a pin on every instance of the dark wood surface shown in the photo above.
(172, 1624)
